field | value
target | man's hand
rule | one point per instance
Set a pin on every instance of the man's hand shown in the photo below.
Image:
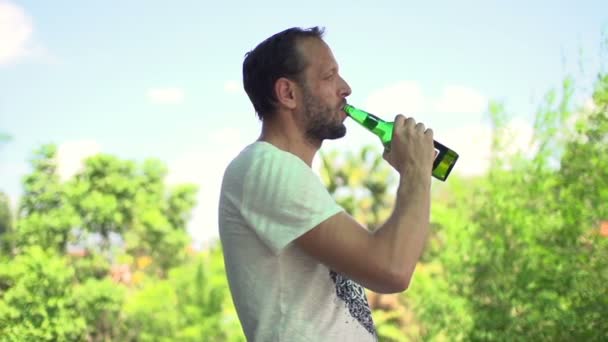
(412, 151)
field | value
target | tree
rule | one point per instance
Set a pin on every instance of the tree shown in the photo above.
(46, 217)
(361, 183)
(103, 194)
(520, 255)
(36, 302)
(6, 220)
(192, 304)
(131, 202)
(70, 237)
(100, 303)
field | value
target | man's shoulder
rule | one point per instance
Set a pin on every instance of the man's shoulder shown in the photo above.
(260, 156)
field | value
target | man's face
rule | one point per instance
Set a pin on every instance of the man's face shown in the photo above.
(324, 93)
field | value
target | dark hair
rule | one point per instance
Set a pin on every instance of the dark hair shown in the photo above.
(275, 57)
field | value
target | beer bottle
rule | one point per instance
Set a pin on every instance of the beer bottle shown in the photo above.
(445, 158)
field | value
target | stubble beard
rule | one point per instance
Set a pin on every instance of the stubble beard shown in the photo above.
(322, 121)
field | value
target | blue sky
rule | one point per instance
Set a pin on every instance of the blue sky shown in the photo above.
(162, 79)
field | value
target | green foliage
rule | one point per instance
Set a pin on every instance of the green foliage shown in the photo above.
(160, 228)
(192, 304)
(387, 326)
(114, 196)
(36, 303)
(517, 253)
(100, 304)
(103, 256)
(6, 218)
(46, 216)
(90, 266)
(360, 183)
(6, 223)
(104, 195)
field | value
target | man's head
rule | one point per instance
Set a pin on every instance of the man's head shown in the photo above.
(295, 70)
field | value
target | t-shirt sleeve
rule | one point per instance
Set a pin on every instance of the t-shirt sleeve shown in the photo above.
(283, 199)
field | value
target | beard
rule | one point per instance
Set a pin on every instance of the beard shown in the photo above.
(321, 121)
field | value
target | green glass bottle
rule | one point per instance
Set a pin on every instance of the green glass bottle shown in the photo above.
(444, 161)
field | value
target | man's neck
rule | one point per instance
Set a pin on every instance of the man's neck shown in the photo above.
(289, 139)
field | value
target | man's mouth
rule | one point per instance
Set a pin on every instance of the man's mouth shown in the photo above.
(342, 110)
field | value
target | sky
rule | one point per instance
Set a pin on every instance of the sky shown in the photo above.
(158, 79)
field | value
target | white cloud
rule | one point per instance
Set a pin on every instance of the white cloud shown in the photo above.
(404, 97)
(408, 98)
(166, 95)
(519, 137)
(232, 86)
(589, 105)
(71, 154)
(460, 100)
(15, 33)
(473, 143)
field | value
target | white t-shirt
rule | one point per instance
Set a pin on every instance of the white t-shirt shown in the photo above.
(270, 197)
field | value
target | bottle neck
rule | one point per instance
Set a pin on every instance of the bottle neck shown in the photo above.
(368, 120)
(381, 128)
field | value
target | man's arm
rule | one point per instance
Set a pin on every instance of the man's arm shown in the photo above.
(383, 261)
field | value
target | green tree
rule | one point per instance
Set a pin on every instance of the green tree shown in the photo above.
(192, 304)
(362, 183)
(103, 194)
(162, 215)
(58, 282)
(6, 218)
(36, 302)
(520, 254)
(6, 222)
(118, 197)
(46, 217)
(100, 303)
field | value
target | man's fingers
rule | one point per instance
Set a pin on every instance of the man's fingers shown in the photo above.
(410, 122)
(399, 120)
(429, 132)
(420, 127)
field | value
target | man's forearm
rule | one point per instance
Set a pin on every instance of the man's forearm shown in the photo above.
(403, 236)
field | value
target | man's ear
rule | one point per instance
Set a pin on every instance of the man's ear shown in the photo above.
(285, 91)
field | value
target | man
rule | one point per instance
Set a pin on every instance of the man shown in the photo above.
(296, 262)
